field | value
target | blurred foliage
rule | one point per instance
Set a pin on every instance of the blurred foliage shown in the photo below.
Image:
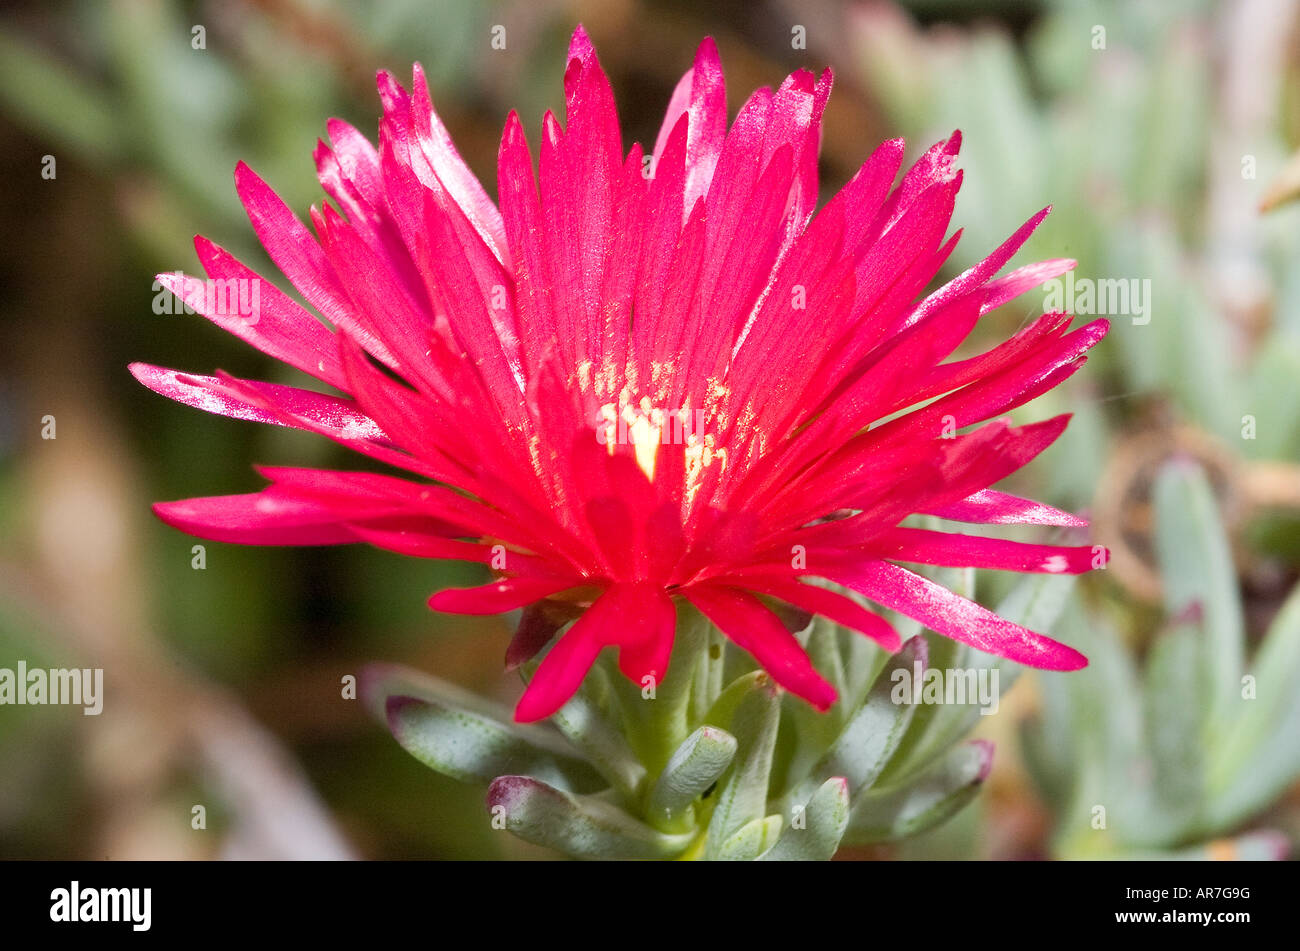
(1171, 761)
(1141, 147)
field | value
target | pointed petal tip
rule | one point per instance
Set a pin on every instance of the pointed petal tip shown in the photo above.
(391, 92)
(1061, 658)
(580, 45)
(891, 644)
(824, 697)
(245, 177)
(172, 513)
(802, 79)
(537, 704)
(441, 601)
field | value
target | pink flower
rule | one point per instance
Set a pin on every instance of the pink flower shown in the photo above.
(638, 380)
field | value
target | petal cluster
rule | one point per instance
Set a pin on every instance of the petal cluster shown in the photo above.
(637, 379)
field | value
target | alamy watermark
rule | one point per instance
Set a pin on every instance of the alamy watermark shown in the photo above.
(239, 297)
(1104, 297)
(646, 426)
(75, 686)
(77, 904)
(963, 686)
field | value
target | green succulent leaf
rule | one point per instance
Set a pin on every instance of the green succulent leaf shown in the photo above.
(693, 768)
(1037, 602)
(744, 792)
(580, 826)
(1174, 722)
(581, 722)
(862, 749)
(1260, 756)
(815, 728)
(723, 710)
(750, 841)
(1196, 569)
(460, 735)
(823, 822)
(1092, 724)
(938, 792)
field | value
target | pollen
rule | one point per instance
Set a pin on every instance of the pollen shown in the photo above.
(645, 434)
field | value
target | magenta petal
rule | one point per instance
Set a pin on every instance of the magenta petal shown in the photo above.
(422, 545)
(989, 506)
(828, 604)
(212, 394)
(499, 596)
(755, 629)
(971, 551)
(452, 171)
(638, 618)
(979, 274)
(271, 517)
(279, 328)
(292, 247)
(649, 624)
(700, 94)
(563, 668)
(1023, 279)
(953, 616)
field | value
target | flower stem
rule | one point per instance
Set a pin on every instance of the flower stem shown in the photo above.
(660, 716)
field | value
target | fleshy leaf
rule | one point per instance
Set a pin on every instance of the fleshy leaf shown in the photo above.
(825, 819)
(1196, 568)
(1174, 722)
(743, 795)
(751, 840)
(1259, 757)
(585, 727)
(693, 768)
(866, 743)
(456, 733)
(580, 826)
(1036, 602)
(816, 729)
(934, 796)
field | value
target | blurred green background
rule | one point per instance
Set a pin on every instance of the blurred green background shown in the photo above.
(1155, 129)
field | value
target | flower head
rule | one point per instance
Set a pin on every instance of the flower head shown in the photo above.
(638, 379)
